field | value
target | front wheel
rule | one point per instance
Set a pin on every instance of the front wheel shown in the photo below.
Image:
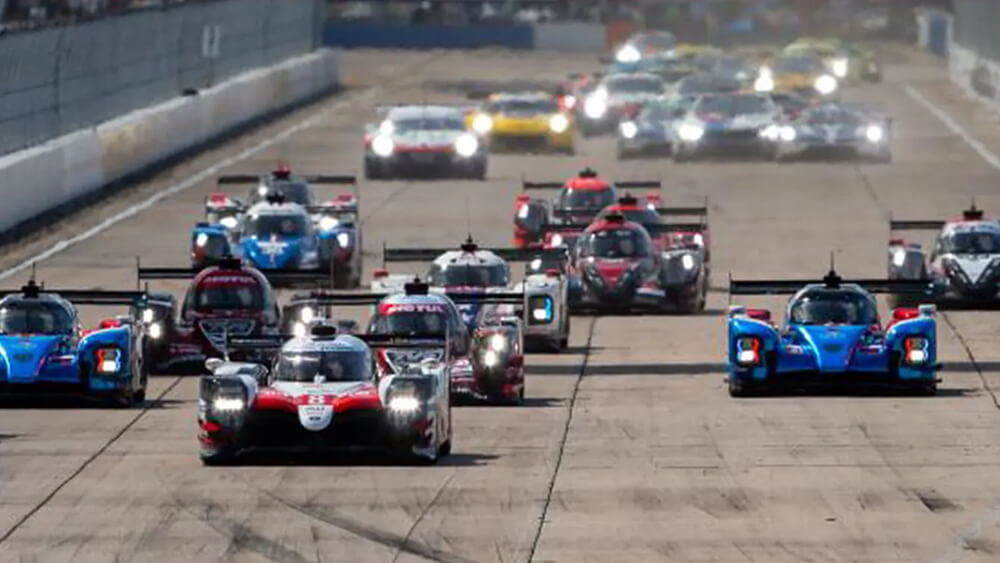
(739, 388)
(217, 458)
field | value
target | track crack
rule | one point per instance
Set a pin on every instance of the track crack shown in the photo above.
(420, 517)
(972, 359)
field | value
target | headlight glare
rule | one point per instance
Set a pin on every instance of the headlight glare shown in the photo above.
(558, 123)
(155, 331)
(628, 54)
(404, 404)
(691, 133)
(327, 223)
(228, 404)
(229, 222)
(466, 145)
(787, 133)
(482, 124)
(383, 146)
(874, 133)
(826, 84)
(628, 129)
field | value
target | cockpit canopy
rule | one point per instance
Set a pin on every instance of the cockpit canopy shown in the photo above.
(35, 316)
(615, 243)
(833, 306)
(970, 242)
(293, 191)
(281, 225)
(330, 365)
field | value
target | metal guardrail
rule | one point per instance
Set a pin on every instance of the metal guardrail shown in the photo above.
(60, 79)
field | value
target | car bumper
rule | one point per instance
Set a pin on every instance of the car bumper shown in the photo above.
(427, 164)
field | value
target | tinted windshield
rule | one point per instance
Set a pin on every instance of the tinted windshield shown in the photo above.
(731, 106)
(34, 317)
(263, 226)
(797, 65)
(529, 107)
(340, 365)
(411, 322)
(294, 192)
(213, 297)
(635, 85)
(834, 307)
(615, 243)
(472, 275)
(429, 124)
(591, 199)
(971, 243)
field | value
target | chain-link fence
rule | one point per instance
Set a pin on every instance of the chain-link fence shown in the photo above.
(60, 79)
(977, 27)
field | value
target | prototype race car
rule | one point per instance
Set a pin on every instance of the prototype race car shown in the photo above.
(470, 268)
(963, 269)
(43, 348)
(487, 360)
(836, 129)
(805, 75)
(281, 236)
(741, 124)
(846, 61)
(646, 44)
(831, 335)
(653, 131)
(579, 200)
(430, 140)
(322, 392)
(617, 96)
(527, 120)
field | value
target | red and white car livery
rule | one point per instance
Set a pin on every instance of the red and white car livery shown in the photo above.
(323, 392)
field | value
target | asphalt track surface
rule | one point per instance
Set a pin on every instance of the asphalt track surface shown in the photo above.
(628, 447)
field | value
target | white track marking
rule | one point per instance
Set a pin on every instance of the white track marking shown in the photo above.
(187, 183)
(939, 113)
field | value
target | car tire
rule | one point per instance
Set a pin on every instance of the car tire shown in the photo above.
(445, 449)
(217, 459)
(741, 389)
(373, 172)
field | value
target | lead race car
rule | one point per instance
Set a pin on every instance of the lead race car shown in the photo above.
(962, 269)
(43, 348)
(837, 129)
(487, 355)
(428, 140)
(322, 391)
(831, 336)
(471, 269)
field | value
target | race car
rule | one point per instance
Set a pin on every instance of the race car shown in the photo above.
(423, 140)
(617, 96)
(527, 120)
(322, 392)
(470, 268)
(43, 348)
(653, 130)
(230, 299)
(791, 105)
(279, 235)
(831, 336)
(645, 44)
(580, 199)
(669, 69)
(805, 75)
(740, 124)
(963, 268)
(487, 360)
(846, 61)
(836, 129)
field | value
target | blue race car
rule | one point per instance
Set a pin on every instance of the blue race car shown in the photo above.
(43, 349)
(832, 335)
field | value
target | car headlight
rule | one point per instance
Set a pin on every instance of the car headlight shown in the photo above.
(327, 223)
(787, 133)
(491, 358)
(228, 404)
(826, 85)
(148, 315)
(466, 145)
(344, 240)
(917, 350)
(748, 351)
(498, 342)
(307, 314)
(691, 133)
(839, 68)
(556, 240)
(383, 146)
(899, 258)
(404, 404)
(687, 261)
(874, 133)
(628, 54)
(229, 222)
(201, 240)
(764, 83)
(155, 331)
(558, 123)
(299, 330)
(596, 106)
(629, 129)
(482, 124)
(770, 133)
(569, 102)
(535, 265)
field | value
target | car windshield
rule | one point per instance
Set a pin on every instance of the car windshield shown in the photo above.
(263, 226)
(428, 124)
(614, 243)
(635, 85)
(410, 322)
(226, 296)
(731, 106)
(470, 275)
(294, 192)
(570, 198)
(834, 307)
(982, 242)
(339, 365)
(797, 65)
(524, 107)
(34, 317)
(707, 85)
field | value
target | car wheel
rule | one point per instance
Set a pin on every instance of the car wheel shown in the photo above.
(221, 457)
(738, 388)
(445, 449)
(926, 389)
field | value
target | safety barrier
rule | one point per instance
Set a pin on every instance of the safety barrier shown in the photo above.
(73, 167)
(568, 36)
(934, 30)
(974, 49)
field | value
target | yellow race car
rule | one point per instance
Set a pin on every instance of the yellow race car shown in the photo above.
(846, 61)
(802, 74)
(524, 121)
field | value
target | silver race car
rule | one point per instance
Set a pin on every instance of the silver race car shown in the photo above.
(837, 129)
(728, 124)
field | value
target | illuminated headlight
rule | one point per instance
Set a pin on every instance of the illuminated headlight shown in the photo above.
(826, 85)
(299, 330)
(491, 358)
(108, 360)
(628, 54)
(201, 240)
(229, 222)
(687, 261)
(899, 258)
(698, 239)
(466, 145)
(691, 133)
(262, 190)
(787, 133)
(155, 331)
(383, 145)
(405, 404)
(839, 68)
(917, 350)
(344, 240)
(629, 129)
(327, 223)
(535, 264)
(569, 102)
(482, 124)
(764, 83)
(148, 315)
(225, 404)
(558, 123)
(307, 315)
(874, 133)
(522, 212)
(498, 342)
(770, 133)
(596, 106)
(541, 315)
(556, 240)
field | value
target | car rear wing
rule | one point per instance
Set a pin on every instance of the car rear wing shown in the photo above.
(504, 298)
(88, 296)
(317, 277)
(342, 179)
(791, 287)
(676, 228)
(918, 225)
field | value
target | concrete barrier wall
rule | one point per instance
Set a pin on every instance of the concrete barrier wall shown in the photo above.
(74, 166)
(568, 36)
